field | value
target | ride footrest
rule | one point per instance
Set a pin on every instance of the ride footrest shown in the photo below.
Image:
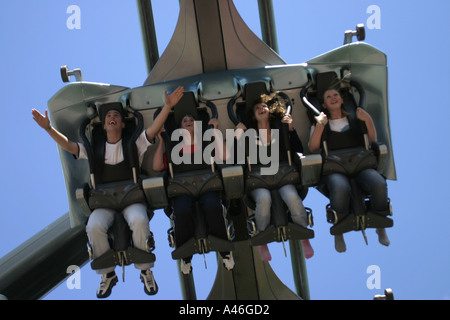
(112, 258)
(374, 220)
(134, 255)
(109, 259)
(203, 245)
(276, 234)
(357, 223)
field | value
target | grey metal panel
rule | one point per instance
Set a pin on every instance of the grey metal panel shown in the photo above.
(251, 278)
(182, 57)
(209, 31)
(185, 56)
(243, 48)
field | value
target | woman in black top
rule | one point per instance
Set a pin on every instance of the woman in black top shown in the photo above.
(265, 119)
(344, 133)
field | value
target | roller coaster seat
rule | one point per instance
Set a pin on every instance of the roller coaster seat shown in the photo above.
(281, 227)
(195, 180)
(115, 191)
(348, 161)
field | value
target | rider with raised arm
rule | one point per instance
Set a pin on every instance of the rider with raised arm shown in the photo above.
(135, 214)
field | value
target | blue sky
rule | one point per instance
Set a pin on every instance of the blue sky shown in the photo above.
(35, 42)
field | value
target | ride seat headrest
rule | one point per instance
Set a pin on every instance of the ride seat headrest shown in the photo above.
(325, 81)
(251, 93)
(186, 106)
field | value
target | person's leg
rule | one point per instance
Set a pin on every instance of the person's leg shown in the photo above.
(183, 209)
(137, 219)
(212, 208)
(295, 205)
(294, 202)
(263, 202)
(340, 191)
(97, 227)
(373, 183)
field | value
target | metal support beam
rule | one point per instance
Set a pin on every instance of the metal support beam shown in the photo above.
(34, 268)
(148, 33)
(268, 26)
(299, 269)
(187, 284)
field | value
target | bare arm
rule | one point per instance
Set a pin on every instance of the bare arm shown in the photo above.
(158, 159)
(170, 101)
(60, 139)
(316, 137)
(362, 115)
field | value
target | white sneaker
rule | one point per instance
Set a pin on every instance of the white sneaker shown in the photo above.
(106, 285)
(150, 285)
(186, 267)
(228, 261)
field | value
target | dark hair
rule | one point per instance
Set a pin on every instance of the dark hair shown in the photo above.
(276, 104)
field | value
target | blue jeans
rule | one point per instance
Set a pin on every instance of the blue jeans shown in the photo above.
(183, 210)
(370, 182)
(289, 195)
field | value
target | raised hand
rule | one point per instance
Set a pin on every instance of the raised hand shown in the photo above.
(41, 120)
(173, 98)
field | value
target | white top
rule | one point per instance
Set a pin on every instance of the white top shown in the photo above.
(339, 125)
(114, 152)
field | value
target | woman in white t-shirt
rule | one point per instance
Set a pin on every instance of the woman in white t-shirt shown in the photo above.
(338, 184)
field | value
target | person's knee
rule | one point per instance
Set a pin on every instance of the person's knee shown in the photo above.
(95, 228)
(136, 216)
(139, 223)
(293, 198)
(97, 224)
(211, 203)
(264, 202)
